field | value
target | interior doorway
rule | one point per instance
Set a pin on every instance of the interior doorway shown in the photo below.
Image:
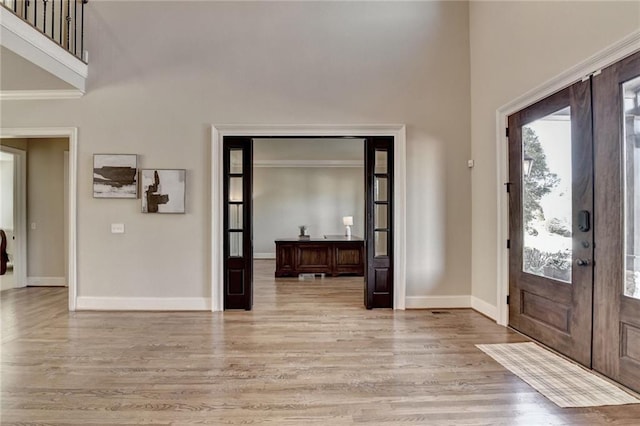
(68, 185)
(574, 227)
(315, 185)
(300, 255)
(228, 139)
(37, 229)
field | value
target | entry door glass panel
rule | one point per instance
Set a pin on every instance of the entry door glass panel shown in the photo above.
(631, 153)
(546, 196)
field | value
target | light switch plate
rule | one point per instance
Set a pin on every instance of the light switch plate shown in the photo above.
(117, 228)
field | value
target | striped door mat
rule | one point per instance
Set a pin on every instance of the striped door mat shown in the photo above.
(565, 383)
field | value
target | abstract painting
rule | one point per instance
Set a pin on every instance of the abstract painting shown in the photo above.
(115, 176)
(163, 190)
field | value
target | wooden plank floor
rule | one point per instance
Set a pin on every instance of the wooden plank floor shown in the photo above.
(309, 353)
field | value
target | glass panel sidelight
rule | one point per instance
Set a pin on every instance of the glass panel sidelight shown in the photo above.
(235, 166)
(235, 189)
(381, 216)
(381, 162)
(235, 244)
(235, 216)
(380, 189)
(381, 243)
(631, 191)
(546, 196)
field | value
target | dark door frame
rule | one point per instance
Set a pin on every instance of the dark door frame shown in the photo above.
(399, 196)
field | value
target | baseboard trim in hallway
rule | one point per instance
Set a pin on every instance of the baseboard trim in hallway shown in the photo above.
(143, 304)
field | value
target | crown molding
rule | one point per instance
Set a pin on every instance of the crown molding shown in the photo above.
(39, 95)
(308, 163)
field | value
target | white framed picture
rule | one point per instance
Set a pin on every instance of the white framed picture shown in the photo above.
(115, 176)
(163, 190)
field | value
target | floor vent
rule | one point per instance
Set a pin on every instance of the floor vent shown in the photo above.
(302, 277)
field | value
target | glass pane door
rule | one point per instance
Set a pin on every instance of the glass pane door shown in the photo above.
(547, 196)
(631, 190)
(237, 223)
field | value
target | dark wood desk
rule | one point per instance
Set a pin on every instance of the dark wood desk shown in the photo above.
(333, 255)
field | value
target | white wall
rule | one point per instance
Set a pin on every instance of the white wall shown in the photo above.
(310, 193)
(318, 197)
(155, 89)
(515, 47)
(6, 191)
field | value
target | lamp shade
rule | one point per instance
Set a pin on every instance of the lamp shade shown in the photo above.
(347, 220)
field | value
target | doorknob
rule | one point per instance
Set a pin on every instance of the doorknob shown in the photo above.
(583, 262)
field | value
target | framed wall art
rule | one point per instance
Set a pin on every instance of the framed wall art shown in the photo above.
(115, 176)
(163, 190)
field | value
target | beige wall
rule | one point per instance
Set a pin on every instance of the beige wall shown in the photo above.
(515, 47)
(45, 207)
(155, 92)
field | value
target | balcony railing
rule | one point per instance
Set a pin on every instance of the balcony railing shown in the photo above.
(60, 20)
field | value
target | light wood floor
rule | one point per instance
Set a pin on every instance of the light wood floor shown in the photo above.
(309, 353)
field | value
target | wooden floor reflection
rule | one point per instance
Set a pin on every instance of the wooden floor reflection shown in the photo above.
(309, 353)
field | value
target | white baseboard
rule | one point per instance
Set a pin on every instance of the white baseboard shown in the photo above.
(46, 281)
(6, 284)
(484, 308)
(264, 255)
(436, 302)
(143, 304)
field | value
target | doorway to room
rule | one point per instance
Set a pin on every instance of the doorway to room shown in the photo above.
(37, 228)
(302, 256)
(65, 199)
(574, 221)
(311, 186)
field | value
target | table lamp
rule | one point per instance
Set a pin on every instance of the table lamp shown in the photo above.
(348, 223)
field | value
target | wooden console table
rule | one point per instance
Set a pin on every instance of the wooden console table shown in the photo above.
(332, 255)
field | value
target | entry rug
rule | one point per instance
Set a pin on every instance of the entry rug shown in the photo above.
(563, 382)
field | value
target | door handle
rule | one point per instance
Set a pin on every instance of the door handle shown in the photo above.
(584, 221)
(583, 262)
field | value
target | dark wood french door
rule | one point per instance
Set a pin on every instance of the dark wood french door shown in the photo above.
(574, 221)
(379, 222)
(550, 221)
(616, 337)
(238, 237)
